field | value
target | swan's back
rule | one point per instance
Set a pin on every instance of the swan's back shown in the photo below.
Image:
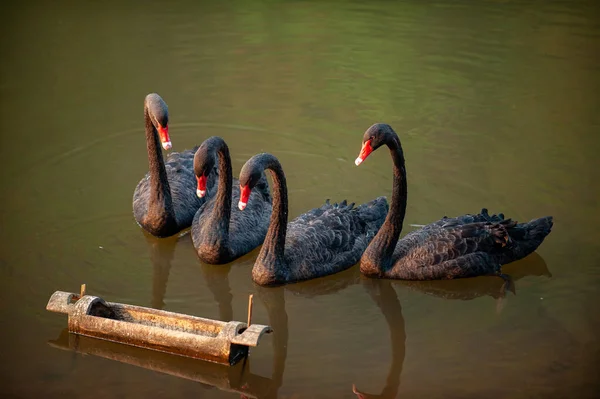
(466, 246)
(332, 237)
(483, 216)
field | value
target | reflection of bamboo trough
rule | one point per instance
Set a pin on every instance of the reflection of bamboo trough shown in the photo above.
(175, 333)
(235, 379)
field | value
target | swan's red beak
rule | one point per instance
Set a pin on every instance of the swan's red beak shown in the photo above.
(163, 133)
(364, 152)
(201, 190)
(244, 195)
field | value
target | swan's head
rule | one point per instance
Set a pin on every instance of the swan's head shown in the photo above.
(204, 163)
(250, 175)
(159, 115)
(375, 136)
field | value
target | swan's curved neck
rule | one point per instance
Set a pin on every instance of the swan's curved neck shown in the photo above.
(270, 261)
(382, 247)
(160, 203)
(221, 212)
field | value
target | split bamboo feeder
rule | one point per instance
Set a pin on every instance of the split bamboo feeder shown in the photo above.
(196, 337)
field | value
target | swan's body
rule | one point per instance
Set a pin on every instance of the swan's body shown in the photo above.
(320, 242)
(165, 201)
(220, 231)
(465, 246)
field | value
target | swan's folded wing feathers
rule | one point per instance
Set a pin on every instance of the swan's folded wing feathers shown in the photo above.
(319, 237)
(331, 238)
(483, 216)
(435, 245)
(313, 214)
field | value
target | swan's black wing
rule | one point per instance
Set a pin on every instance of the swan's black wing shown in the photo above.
(465, 246)
(451, 250)
(331, 238)
(483, 216)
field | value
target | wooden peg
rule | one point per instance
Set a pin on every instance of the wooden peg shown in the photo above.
(82, 291)
(250, 309)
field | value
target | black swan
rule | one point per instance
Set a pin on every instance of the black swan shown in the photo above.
(165, 201)
(220, 233)
(465, 246)
(320, 242)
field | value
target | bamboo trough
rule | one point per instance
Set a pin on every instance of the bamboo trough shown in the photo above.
(175, 333)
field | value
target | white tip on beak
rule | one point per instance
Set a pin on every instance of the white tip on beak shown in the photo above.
(167, 145)
(200, 193)
(242, 205)
(358, 161)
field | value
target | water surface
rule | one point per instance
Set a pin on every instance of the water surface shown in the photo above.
(496, 103)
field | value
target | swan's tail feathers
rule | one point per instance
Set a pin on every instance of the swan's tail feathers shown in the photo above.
(533, 231)
(373, 213)
(527, 237)
(538, 229)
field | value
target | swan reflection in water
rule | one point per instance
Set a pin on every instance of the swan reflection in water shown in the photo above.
(217, 281)
(217, 277)
(273, 298)
(385, 298)
(471, 288)
(236, 379)
(381, 292)
(162, 253)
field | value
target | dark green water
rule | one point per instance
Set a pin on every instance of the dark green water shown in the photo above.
(496, 103)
